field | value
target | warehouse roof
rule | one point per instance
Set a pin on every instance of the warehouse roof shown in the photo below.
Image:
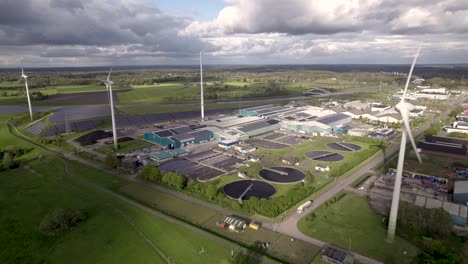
(192, 135)
(164, 133)
(168, 154)
(328, 119)
(181, 130)
(461, 187)
(173, 131)
(257, 125)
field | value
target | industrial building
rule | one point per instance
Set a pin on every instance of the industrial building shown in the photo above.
(306, 127)
(457, 212)
(336, 256)
(460, 192)
(169, 154)
(179, 137)
(385, 133)
(433, 94)
(258, 127)
(336, 121)
(445, 144)
(266, 111)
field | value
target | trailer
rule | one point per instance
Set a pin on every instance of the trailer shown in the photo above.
(303, 206)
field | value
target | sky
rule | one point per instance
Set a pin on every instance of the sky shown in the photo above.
(56, 33)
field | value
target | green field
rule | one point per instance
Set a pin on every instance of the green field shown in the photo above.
(124, 147)
(293, 252)
(114, 232)
(160, 93)
(173, 205)
(350, 223)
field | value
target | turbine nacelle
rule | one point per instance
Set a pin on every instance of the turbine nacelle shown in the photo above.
(404, 107)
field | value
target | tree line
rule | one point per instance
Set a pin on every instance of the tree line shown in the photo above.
(268, 207)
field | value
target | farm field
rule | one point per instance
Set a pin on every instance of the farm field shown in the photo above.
(350, 223)
(124, 147)
(83, 88)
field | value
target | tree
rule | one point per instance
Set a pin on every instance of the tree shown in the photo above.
(60, 221)
(175, 180)
(211, 191)
(151, 173)
(8, 162)
(112, 160)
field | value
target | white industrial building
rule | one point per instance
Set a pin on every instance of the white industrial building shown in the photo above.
(433, 94)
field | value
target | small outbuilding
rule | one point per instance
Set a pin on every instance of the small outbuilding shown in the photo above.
(336, 256)
(460, 192)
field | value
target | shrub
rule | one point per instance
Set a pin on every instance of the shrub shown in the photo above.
(60, 221)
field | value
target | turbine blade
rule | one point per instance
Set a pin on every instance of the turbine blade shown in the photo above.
(22, 67)
(410, 73)
(108, 76)
(407, 128)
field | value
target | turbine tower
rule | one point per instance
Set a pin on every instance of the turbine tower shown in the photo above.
(27, 89)
(108, 84)
(404, 108)
(201, 90)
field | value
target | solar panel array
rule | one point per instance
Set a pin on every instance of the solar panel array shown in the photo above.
(79, 112)
(257, 125)
(78, 126)
(134, 120)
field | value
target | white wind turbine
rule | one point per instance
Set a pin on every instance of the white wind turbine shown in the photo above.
(108, 84)
(404, 108)
(27, 89)
(201, 90)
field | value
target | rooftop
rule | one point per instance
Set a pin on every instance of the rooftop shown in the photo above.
(461, 187)
(328, 119)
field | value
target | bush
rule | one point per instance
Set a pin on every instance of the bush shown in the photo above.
(174, 180)
(416, 219)
(60, 221)
(151, 173)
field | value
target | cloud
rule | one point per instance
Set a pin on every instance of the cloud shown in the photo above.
(323, 17)
(101, 32)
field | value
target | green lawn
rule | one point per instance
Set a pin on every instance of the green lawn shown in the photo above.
(114, 232)
(83, 88)
(297, 251)
(173, 205)
(351, 224)
(124, 147)
(160, 93)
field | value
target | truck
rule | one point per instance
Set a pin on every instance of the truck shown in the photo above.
(303, 206)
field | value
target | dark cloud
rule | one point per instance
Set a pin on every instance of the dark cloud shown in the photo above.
(123, 32)
(69, 5)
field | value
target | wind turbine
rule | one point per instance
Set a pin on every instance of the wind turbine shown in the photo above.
(27, 89)
(404, 108)
(108, 84)
(201, 90)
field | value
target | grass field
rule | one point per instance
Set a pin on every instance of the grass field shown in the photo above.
(281, 246)
(160, 93)
(351, 223)
(124, 147)
(293, 252)
(162, 108)
(114, 232)
(83, 88)
(190, 212)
